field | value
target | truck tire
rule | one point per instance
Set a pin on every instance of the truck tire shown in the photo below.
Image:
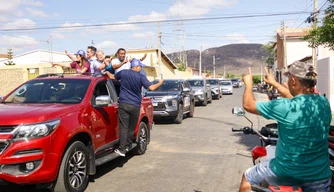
(142, 140)
(179, 117)
(192, 110)
(77, 156)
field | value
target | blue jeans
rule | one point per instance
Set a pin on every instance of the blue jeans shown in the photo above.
(262, 172)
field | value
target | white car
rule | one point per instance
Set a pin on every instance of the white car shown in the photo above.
(226, 87)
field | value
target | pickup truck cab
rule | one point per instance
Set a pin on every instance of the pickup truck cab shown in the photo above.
(55, 130)
(173, 99)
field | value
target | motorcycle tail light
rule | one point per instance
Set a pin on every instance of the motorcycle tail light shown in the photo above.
(258, 151)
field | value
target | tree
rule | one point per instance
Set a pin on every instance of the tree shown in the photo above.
(229, 75)
(9, 57)
(324, 34)
(270, 49)
(256, 79)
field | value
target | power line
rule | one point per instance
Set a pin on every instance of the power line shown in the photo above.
(150, 22)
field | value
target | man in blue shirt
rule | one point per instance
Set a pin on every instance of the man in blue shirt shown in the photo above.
(129, 101)
(303, 118)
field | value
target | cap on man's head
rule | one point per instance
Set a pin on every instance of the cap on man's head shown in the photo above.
(81, 52)
(136, 62)
(302, 70)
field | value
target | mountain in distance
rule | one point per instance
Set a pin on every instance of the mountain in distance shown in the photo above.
(236, 58)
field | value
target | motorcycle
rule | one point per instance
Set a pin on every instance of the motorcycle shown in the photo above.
(268, 136)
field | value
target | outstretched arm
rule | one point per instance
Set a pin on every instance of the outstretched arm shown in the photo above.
(156, 86)
(249, 102)
(270, 79)
(73, 58)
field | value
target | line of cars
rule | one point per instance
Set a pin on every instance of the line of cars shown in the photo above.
(176, 98)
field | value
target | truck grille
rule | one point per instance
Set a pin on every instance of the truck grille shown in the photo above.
(157, 98)
(160, 107)
(7, 129)
(3, 146)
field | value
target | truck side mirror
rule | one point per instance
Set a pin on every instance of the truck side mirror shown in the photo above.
(103, 100)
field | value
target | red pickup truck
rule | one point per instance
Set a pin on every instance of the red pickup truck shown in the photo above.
(55, 130)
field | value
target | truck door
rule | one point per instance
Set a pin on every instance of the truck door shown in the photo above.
(105, 119)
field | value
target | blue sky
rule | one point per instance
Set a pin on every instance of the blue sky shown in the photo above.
(208, 33)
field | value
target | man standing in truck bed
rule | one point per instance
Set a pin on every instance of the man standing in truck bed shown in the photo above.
(130, 99)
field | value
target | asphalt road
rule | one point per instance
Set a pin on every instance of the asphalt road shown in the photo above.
(200, 155)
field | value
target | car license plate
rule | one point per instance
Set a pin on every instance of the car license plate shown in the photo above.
(154, 104)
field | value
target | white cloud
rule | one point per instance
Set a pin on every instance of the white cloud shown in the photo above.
(32, 3)
(144, 35)
(153, 16)
(67, 24)
(18, 42)
(185, 10)
(237, 38)
(57, 34)
(8, 6)
(20, 23)
(106, 45)
(36, 13)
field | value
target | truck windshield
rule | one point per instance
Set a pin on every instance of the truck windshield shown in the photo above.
(196, 83)
(213, 82)
(65, 91)
(168, 86)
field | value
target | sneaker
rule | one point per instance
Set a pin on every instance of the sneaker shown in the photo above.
(119, 152)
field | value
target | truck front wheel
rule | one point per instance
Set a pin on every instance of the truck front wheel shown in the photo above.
(73, 172)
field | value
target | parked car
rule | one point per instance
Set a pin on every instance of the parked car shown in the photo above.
(235, 82)
(173, 99)
(226, 86)
(215, 88)
(202, 91)
(55, 130)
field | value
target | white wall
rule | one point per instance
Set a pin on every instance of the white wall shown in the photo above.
(296, 50)
(324, 52)
(325, 69)
(38, 57)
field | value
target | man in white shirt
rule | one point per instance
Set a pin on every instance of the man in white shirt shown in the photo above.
(121, 61)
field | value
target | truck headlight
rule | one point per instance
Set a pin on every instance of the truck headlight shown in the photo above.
(35, 130)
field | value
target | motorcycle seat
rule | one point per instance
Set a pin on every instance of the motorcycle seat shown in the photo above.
(285, 188)
(331, 139)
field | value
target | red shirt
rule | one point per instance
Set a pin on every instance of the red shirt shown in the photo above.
(76, 65)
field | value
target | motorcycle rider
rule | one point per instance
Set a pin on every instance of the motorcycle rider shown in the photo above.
(303, 125)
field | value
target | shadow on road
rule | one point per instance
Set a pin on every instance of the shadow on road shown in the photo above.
(108, 167)
(250, 141)
(100, 171)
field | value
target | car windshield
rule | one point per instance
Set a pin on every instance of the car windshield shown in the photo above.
(196, 83)
(225, 83)
(235, 80)
(168, 86)
(65, 91)
(213, 82)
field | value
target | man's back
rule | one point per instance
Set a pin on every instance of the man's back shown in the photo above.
(302, 151)
(131, 86)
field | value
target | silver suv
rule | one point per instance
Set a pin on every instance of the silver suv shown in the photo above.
(202, 91)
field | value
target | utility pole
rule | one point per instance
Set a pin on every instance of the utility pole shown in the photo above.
(315, 23)
(214, 67)
(159, 51)
(224, 72)
(284, 47)
(200, 62)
